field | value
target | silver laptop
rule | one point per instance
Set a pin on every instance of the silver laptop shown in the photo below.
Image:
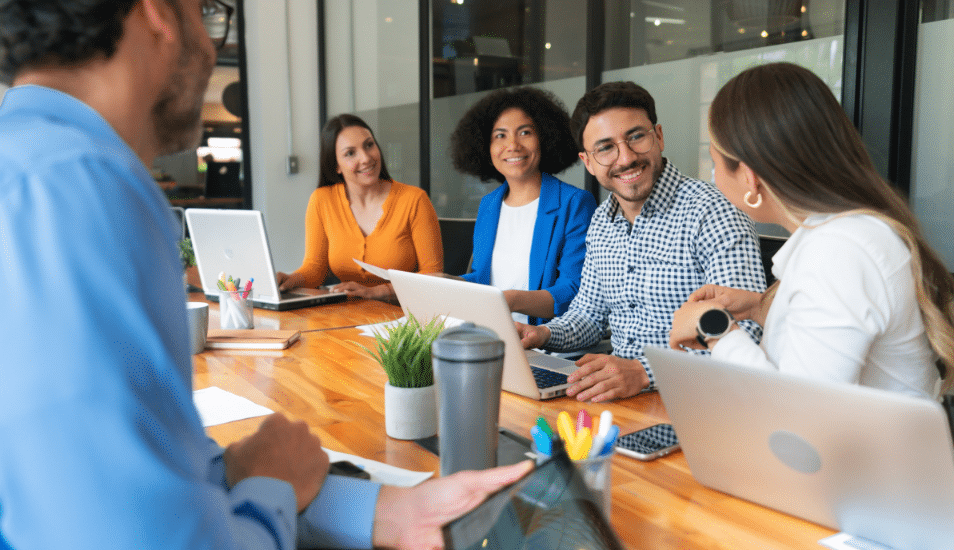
(872, 463)
(234, 242)
(526, 372)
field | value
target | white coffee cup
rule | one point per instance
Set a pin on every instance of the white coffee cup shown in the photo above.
(198, 324)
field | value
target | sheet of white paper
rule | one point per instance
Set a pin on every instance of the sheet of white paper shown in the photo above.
(217, 406)
(380, 472)
(381, 328)
(844, 541)
(373, 269)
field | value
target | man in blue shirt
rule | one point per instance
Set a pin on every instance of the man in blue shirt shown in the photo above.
(100, 443)
(656, 239)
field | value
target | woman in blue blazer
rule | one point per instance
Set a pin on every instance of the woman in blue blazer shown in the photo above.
(530, 234)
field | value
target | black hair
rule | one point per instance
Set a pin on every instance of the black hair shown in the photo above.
(328, 168)
(607, 96)
(470, 142)
(37, 32)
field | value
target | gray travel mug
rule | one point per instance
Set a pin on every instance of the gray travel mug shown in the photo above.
(468, 367)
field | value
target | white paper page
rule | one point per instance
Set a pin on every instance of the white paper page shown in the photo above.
(844, 541)
(380, 472)
(217, 406)
(381, 328)
(373, 269)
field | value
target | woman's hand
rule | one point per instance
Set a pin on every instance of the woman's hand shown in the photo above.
(684, 323)
(742, 304)
(383, 292)
(287, 281)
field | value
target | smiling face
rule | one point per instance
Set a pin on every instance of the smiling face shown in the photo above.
(632, 176)
(359, 159)
(515, 147)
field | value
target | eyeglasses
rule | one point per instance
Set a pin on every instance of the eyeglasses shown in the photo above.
(217, 18)
(638, 142)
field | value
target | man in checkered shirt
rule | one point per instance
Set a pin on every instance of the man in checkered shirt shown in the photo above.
(656, 239)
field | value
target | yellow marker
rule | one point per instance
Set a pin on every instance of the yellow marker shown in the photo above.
(565, 428)
(581, 445)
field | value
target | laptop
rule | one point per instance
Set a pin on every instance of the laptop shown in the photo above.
(872, 463)
(526, 372)
(234, 242)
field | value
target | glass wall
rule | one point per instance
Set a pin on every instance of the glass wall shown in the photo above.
(482, 45)
(932, 171)
(683, 51)
(372, 60)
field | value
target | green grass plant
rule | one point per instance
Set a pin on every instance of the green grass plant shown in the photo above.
(405, 352)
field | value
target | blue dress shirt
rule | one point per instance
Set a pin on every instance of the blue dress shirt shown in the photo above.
(559, 240)
(100, 443)
(637, 275)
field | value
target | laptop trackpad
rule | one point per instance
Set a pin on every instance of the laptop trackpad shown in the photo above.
(549, 362)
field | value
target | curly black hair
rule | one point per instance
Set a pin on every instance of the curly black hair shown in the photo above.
(470, 142)
(606, 96)
(35, 32)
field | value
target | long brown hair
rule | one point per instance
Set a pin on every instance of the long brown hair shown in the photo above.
(328, 162)
(785, 124)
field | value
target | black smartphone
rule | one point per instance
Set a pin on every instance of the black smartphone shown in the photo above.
(649, 443)
(347, 469)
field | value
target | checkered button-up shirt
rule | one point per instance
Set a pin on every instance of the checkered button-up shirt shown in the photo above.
(635, 276)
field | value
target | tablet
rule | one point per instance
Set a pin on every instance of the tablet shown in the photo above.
(548, 509)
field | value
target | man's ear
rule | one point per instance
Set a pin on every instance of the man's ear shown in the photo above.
(586, 162)
(160, 19)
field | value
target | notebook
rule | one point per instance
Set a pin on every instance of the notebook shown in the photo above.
(234, 242)
(526, 372)
(872, 463)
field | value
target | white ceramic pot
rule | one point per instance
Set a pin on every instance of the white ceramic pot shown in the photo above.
(410, 413)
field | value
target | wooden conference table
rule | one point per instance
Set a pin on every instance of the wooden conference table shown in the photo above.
(327, 381)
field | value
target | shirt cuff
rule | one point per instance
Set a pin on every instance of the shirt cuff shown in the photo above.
(341, 516)
(270, 502)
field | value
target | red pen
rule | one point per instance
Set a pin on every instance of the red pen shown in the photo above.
(248, 287)
(583, 420)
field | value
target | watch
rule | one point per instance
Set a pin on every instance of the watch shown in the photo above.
(713, 324)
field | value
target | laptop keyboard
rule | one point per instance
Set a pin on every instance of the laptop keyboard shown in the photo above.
(547, 378)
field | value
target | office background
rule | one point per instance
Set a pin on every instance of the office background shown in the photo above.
(891, 60)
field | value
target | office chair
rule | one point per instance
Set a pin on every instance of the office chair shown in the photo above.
(457, 236)
(768, 247)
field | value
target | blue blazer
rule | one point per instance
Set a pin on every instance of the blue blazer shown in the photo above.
(559, 240)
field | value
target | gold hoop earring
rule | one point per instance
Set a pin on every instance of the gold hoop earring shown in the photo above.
(756, 204)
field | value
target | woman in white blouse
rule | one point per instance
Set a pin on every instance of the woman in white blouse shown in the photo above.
(861, 297)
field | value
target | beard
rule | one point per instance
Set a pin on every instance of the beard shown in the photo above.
(177, 113)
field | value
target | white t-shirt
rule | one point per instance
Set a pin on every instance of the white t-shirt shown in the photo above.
(845, 310)
(510, 264)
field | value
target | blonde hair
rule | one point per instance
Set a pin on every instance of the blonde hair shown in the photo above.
(783, 122)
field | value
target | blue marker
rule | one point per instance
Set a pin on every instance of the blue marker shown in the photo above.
(542, 440)
(610, 440)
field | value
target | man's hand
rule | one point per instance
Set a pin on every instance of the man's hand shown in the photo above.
(604, 377)
(532, 336)
(283, 450)
(411, 518)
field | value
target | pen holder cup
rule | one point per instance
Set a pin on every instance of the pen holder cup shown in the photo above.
(235, 309)
(597, 473)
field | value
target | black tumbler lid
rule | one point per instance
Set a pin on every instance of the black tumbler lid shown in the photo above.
(468, 342)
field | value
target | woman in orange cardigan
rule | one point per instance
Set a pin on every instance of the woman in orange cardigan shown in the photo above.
(358, 211)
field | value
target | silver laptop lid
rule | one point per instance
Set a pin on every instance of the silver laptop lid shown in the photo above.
(232, 242)
(872, 463)
(426, 296)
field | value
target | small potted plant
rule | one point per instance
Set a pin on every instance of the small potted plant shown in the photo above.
(187, 255)
(410, 400)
